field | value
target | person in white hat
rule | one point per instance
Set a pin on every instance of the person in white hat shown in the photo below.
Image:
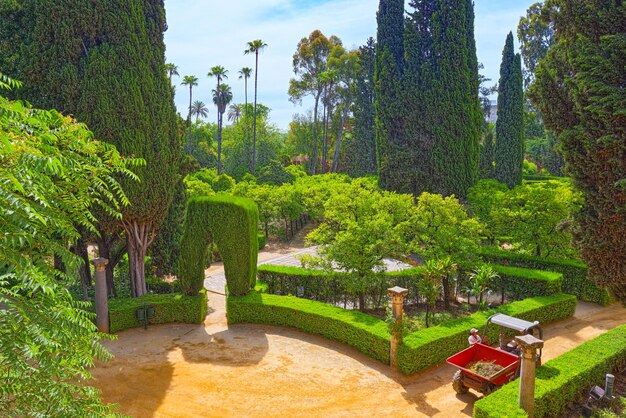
(474, 337)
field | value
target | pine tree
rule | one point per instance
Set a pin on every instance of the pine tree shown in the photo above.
(487, 154)
(393, 153)
(359, 151)
(110, 73)
(510, 123)
(579, 88)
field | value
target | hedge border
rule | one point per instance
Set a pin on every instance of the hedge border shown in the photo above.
(366, 333)
(562, 380)
(574, 272)
(431, 346)
(174, 307)
(522, 283)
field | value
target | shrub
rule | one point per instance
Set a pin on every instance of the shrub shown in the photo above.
(167, 308)
(522, 283)
(160, 286)
(261, 240)
(562, 380)
(431, 346)
(232, 223)
(332, 287)
(575, 280)
(363, 332)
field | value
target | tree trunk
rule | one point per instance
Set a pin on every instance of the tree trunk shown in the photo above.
(342, 122)
(219, 143)
(427, 312)
(315, 111)
(362, 301)
(324, 130)
(84, 272)
(446, 292)
(256, 77)
(139, 236)
(108, 249)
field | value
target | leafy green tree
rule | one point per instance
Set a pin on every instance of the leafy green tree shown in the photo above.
(254, 47)
(221, 97)
(481, 280)
(536, 215)
(510, 123)
(535, 35)
(487, 154)
(486, 195)
(429, 285)
(579, 89)
(274, 173)
(359, 150)
(54, 175)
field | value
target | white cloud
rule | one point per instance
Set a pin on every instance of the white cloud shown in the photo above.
(203, 34)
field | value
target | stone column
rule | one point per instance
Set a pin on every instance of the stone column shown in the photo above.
(102, 302)
(397, 295)
(529, 346)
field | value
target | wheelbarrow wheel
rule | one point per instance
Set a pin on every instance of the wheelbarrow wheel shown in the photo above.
(488, 389)
(457, 383)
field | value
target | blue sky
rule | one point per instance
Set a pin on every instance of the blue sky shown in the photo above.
(202, 34)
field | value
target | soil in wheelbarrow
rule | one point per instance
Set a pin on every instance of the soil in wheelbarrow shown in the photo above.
(484, 368)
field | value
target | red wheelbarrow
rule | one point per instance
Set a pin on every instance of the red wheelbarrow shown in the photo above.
(464, 379)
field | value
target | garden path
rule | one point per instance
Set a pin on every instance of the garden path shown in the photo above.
(181, 370)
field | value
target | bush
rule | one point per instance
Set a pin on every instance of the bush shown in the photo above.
(332, 287)
(431, 346)
(363, 332)
(521, 283)
(232, 223)
(162, 287)
(261, 240)
(167, 308)
(562, 380)
(575, 280)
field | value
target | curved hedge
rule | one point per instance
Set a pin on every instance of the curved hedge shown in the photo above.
(331, 287)
(367, 334)
(574, 272)
(232, 223)
(167, 308)
(521, 283)
(428, 347)
(562, 380)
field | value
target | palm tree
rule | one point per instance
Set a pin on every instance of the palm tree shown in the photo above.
(191, 81)
(245, 73)
(254, 47)
(222, 96)
(199, 109)
(171, 70)
(234, 112)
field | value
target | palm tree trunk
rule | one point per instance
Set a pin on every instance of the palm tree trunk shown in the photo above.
(256, 77)
(189, 117)
(219, 142)
(245, 115)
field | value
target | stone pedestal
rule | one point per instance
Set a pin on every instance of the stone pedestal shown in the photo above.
(102, 302)
(529, 346)
(397, 295)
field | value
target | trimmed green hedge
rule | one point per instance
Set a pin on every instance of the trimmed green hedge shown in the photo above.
(363, 332)
(431, 346)
(167, 308)
(331, 287)
(574, 272)
(521, 283)
(232, 223)
(160, 286)
(563, 380)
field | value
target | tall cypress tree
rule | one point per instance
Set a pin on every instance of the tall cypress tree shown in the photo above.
(487, 154)
(579, 88)
(393, 152)
(510, 123)
(456, 105)
(359, 151)
(110, 73)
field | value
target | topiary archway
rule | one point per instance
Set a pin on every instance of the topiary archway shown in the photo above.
(232, 222)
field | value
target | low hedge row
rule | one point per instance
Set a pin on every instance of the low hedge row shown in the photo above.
(333, 287)
(574, 272)
(364, 332)
(563, 380)
(168, 308)
(521, 283)
(428, 347)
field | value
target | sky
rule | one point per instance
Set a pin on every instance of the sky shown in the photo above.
(205, 33)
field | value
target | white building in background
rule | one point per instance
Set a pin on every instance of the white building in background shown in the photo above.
(493, 112)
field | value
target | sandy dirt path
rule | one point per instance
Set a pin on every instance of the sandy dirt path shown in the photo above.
(181, 370)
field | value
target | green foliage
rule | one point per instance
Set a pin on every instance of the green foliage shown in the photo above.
(529, 168)
(363, 332)
(54, 177)
(562, 380)
(261, 239)
(487, 154)
(333, 287)
(510, 123)
(575, 280)
(168, 308)
(161, 286)
(521, 283)
(232, 223)
(579, 88)
(431, 346)
(482, 280)
(274, 173)
(483, 197)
